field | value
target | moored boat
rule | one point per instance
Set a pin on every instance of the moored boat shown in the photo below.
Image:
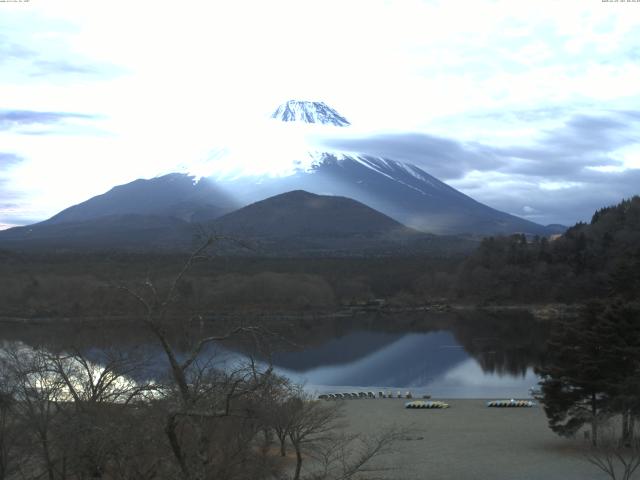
(510, 403)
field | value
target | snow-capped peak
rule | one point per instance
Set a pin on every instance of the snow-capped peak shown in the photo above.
(309, 112)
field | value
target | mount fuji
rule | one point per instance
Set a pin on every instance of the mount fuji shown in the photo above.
(164, 210)
(401, 190)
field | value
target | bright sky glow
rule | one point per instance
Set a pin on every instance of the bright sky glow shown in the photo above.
(144, 88)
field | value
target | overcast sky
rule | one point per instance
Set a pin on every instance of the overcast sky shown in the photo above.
(528, 106)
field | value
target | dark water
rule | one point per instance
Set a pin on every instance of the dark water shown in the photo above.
(456, 356)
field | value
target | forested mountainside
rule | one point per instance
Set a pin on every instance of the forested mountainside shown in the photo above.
(596, 259)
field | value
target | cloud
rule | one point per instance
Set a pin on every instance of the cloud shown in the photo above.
(48, 67)
(9, 199)
(21, 119)
(12, 51)
(443, 157)
(583, 141)
(29, 60)
(565, 174)
(7, 159)
(566, 204)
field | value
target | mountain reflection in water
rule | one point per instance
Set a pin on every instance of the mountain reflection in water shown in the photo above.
(433, 363)
(474, 355)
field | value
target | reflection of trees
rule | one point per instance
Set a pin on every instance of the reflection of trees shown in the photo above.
(505, 343)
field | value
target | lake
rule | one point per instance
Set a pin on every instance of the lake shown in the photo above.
(469, 355)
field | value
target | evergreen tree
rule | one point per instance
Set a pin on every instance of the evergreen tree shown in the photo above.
(574, 378)
(593, 370)
(619, 328)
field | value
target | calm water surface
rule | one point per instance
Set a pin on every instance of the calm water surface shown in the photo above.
(467, 357)
(423, 363)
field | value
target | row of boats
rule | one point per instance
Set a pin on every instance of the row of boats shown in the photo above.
(424, 403)
(353, 395)
(511, 403)
(493, 403)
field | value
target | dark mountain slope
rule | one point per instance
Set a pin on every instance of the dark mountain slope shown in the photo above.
(294, 223)
(302, 223)
(300, 213)
(174, 195)
(111, 232)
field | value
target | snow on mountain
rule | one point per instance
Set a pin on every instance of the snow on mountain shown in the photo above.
(309, 112)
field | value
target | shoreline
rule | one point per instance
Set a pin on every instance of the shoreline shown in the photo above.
(545, 311)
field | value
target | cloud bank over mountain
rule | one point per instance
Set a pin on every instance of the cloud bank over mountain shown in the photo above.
(561, 175)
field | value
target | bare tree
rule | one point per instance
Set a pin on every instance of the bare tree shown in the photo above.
(38, 395)
(206, 400)
(280, 407)
(12, 452)
(98, 397)
(618, 459)
(345, 456)
(71, 413)
(312, 423)
(317, 433)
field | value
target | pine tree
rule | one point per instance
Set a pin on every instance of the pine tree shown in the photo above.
(620, 329)
(574, 379)
(593, 370)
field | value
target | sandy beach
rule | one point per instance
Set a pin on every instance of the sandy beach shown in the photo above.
(470, 441)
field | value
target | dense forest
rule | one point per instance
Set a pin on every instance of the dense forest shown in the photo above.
(595, 260)
(599, 259)
(69, 285)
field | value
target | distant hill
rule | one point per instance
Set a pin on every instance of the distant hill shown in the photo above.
(300, 213)
(302, 222)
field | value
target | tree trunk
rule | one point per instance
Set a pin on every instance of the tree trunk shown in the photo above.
(177, 372)
(594, 420)
(47, 458)
(267, 440)
(298, 463)
(170, 430)
(282, 437)
(625, 428)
